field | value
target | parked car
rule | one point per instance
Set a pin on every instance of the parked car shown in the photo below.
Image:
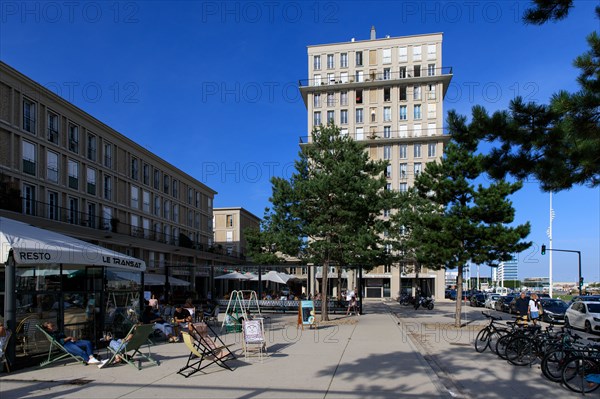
(588, 298)
(584, 315)
(503, 303)
(477, 300)
(490, 301)
(553, 310)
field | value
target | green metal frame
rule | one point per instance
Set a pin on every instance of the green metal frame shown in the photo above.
(62, 352)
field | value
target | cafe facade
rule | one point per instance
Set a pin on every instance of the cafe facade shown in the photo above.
(85, 289)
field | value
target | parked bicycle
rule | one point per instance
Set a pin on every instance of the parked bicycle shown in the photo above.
(488, 337)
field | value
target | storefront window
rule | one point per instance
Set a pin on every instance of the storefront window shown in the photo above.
(84, 302)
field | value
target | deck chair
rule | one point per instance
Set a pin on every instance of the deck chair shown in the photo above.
(129, 349)
(57, 351)
(26, 332)
(3, 346)
(204, 349)
(254, 340)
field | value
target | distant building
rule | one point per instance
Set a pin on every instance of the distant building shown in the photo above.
(229, 225)
(508, 270)
(536, 283)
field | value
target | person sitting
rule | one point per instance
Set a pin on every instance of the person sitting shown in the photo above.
(81, 348)
(150, 317)
(116, 345)
(4, 336)
(181, 317)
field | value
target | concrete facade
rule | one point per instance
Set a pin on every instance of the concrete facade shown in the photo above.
(388, 93)
(229, 225)
(64, 170)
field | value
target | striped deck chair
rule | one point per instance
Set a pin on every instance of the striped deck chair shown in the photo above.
(131, 347)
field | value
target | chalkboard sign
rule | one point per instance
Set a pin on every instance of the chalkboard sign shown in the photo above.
(307, 312)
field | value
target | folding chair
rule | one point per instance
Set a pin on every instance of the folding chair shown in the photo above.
(204, 348)
(26, 332)
(62, 353)
(128, 349)
(3, 347)
(254, 338)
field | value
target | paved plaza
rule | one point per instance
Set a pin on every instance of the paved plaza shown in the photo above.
(391, 351)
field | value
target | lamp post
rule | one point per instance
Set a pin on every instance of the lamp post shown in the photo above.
(580, 281)
(549, 233)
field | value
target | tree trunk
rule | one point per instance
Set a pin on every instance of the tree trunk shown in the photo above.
(324, 288)
(459, 292)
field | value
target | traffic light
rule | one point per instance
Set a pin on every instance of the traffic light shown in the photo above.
(580, 280)
(543, 249)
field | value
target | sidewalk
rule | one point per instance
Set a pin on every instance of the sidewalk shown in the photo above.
(392, 351)
(463, 371)
(360, 357)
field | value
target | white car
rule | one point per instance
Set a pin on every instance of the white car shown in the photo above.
(584, 315)
(490, 301)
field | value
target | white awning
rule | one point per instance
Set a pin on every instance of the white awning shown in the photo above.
(159, 279)
(35, 246)
(151, 279)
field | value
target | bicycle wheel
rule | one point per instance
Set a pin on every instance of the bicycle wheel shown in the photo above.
(501, 345)
(581, 373)
(553, 364)
(494, 336)
(520, 351)
(482, 340)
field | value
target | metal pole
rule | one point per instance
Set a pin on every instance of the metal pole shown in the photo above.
(11, 306)
(580, 283)
(259, 281)
(550, 244)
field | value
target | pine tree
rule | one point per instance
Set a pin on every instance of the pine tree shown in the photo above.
(329, 211)
(448, 220)
(557, 144)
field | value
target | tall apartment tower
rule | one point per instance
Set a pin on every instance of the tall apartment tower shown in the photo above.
(388, 93)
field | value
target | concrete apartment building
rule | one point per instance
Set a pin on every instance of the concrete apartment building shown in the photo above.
(387, 92)
(229, 225)
(64, 170)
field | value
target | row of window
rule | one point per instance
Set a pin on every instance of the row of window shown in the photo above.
(388, 133)
(331, 99)
(386, 56)
(96, 215)
(73, 136)
(403, 151)
(91, 176)
(359, 76)
(138, 170)
(387, 114)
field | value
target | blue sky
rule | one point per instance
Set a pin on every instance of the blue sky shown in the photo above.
(212, 86)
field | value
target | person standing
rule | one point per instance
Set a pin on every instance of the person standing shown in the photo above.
(522, 308)
(153, 302)
(534, 308)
